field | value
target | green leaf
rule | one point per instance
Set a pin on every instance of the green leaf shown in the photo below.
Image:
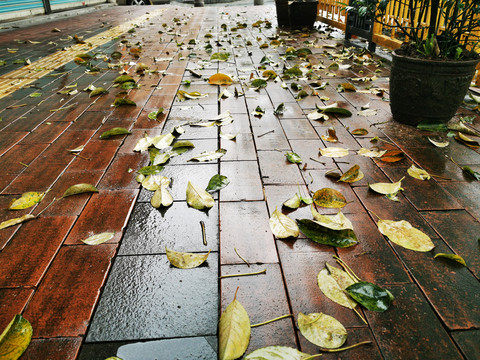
(293, 158)
(259, 83)
(27, 200)
(220, 56)
(282, 226)
(183, 144)
(150, 170)
(280, 109)
(35, 95)
(292, 72)
(371, 296)
(198, 198)
(79, 189)
(323, 235)
(157, 157)
(234, 331)
(217, 182)
(163, 141)
(98, 91)
(15, 339)
(123, 102)
(99, 238)
(471, 172)
(114, 132)
(293, 203)
(431, 126)
(452, 257)
(154, 114)
(209, 155)
(123, 78)
(322, 330)
(11, 222)
(277, 353)
(334, 109)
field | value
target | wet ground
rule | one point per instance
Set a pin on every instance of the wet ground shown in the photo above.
(123, 298)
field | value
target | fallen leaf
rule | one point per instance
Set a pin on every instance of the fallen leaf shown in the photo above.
(371, 153)
(79, 189)
(367, 112)
(279, 110)
(293, 203)
(183, 144)
(198, 198)
(326, 236)
(154, 114)
(352, 175)
(155, 181)
(293, 158)
(220, 56)
(464, 139)
(452, 257)
(387, 188)
(282, 226)
(404, 234)
(233, 331)
(334, 290)
(98, 91)
(228, 136)
(183, 95)
(334, 222)
(334, 152)
(258, 83)
(157, 157)
(331, 135)
(163, 141)
(11, 222)
(417, 173)
(217, 182)
(440, 144)
(360, 132)
(392, 156)
(27, 200)
(183, 260)
(471, 172)
(370, 296)
(329, 198)
(123, 79)
(161, 197)
(99, 238)
(322, 330)
(220, 79)
(15, 339)
(150, 170)
(209, 155)
(114, 132)
(277, 353)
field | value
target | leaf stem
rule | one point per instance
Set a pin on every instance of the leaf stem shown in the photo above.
(241, 257)
(245, 274)
(80, 156)
(21, 163)
(451, 158)
(346, 347)
(268, 132)
(360, 315)
(374, 214)
(40, 213)
(272, 320)
(346, 267)
(440, 177)
(318, 161)
(312, 357)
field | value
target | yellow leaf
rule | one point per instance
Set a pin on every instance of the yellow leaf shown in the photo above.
(79, 189)
(334, 290)
(15, 339)
(417, 173)
(234, 331)
(99, 238)
(334, 152)
(322, 330)
(183, 260)
(387, 188)
(282, 226)
(329, 198)
(11, 222)
(334, 222)
(352, 175)
(220, 79)
(371, 153)
(161, 197)
(27, 200)
(404, 234)
(155, 181)
(452, 257)
(199, 198)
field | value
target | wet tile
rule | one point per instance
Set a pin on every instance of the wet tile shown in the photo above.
(192, 112)
(53, 312)
(89, 120)
(201, 146)
(240, 125)
(178, 228)
(392, 328)
(46, 133)
(467, 341)
(114, 205)
(245, 183)
(299, 129)
(276, 195)
(13, 159)
(256, 243)
(191, 132)
(144, 122)
(53, 349)
(6, 142)
(462, 191)
(181, 303)
(269, 134)
(264, 298)
(136, 134)
(308, 151)
(371, 171)
(122, 172)
(242, 148)
(276, 169)
(12, 302)
(38, 240)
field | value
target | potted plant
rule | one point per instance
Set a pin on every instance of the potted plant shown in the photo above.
(302, 13)
(432, 70)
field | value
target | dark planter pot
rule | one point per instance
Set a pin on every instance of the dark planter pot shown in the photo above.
(282, 12)
(427, 90)
(303, 14)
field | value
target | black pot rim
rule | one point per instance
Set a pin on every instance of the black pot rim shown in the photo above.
(449, 63)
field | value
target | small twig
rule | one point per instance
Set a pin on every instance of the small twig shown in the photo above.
(80, 156)
(380, 123)
(268, 132)
(204, 236)
(40, 213)
(374, 214)
(318, 161)
(246, 274)
(21, 163)
(440, 177)
(201, 106)
(241, 257)
(345, 348)
(451, 158)
(345, 267)
(311, 177)
(342, 162)
(270, 321)
(312, 357)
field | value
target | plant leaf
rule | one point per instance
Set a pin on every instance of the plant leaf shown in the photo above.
(198, 198)
(293, 158)
(392, 156)
(157, 157)
(27, 200)
(404, 234)
(371, 153)
(331, 135)
(183, 144)
(161, 197)
(452, 257)
(79, 189)
(293, 203)
(259, 83)
(329, 198)
(99, 238)
(352, 175)
(217, 182)
(334, 222)
(155, 181)
(163, 141)
(123, 102)
(234, 331)
(323, 235)
(471, 172)
(220, 79)
(220, 56)
(154, 114)
(334, 109)
(417, 173)
(276, 353)
(333, 290)
(440, 144)
(282, 226)
(183, 260)
(11, 222)
(98, 91)
(360, 132)
(150, 170)
(15, 339)
(370, 296)
(209, 155)
(322, 330)
(387, 188)
(334, 152)
(114, 132)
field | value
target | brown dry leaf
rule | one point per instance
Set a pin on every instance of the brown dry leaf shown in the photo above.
(331, 135)
(348, 87)
(360, 132)
(183, 260)
(393, 156)
(220, 79)
(352, 175)
(404, 234)
(329, 198)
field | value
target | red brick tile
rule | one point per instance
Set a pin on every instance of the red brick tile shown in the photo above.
(256, 244)
(111, 123)
(20, 153)
(89, 120)
(38, 241)
(107, 211)
(143, 122)
(5, 180)
(140, 97)
(276, 169)
(12, 302)
(46, 133)
(64, 302)
(7, 141)
(68, 140)
(5, 214)
(308, 150)
(463, 194)
(264, 298)
(100, 153)
(72, 205)
(132, 139)
(245, 182)
(53, 349)
(122, 172)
